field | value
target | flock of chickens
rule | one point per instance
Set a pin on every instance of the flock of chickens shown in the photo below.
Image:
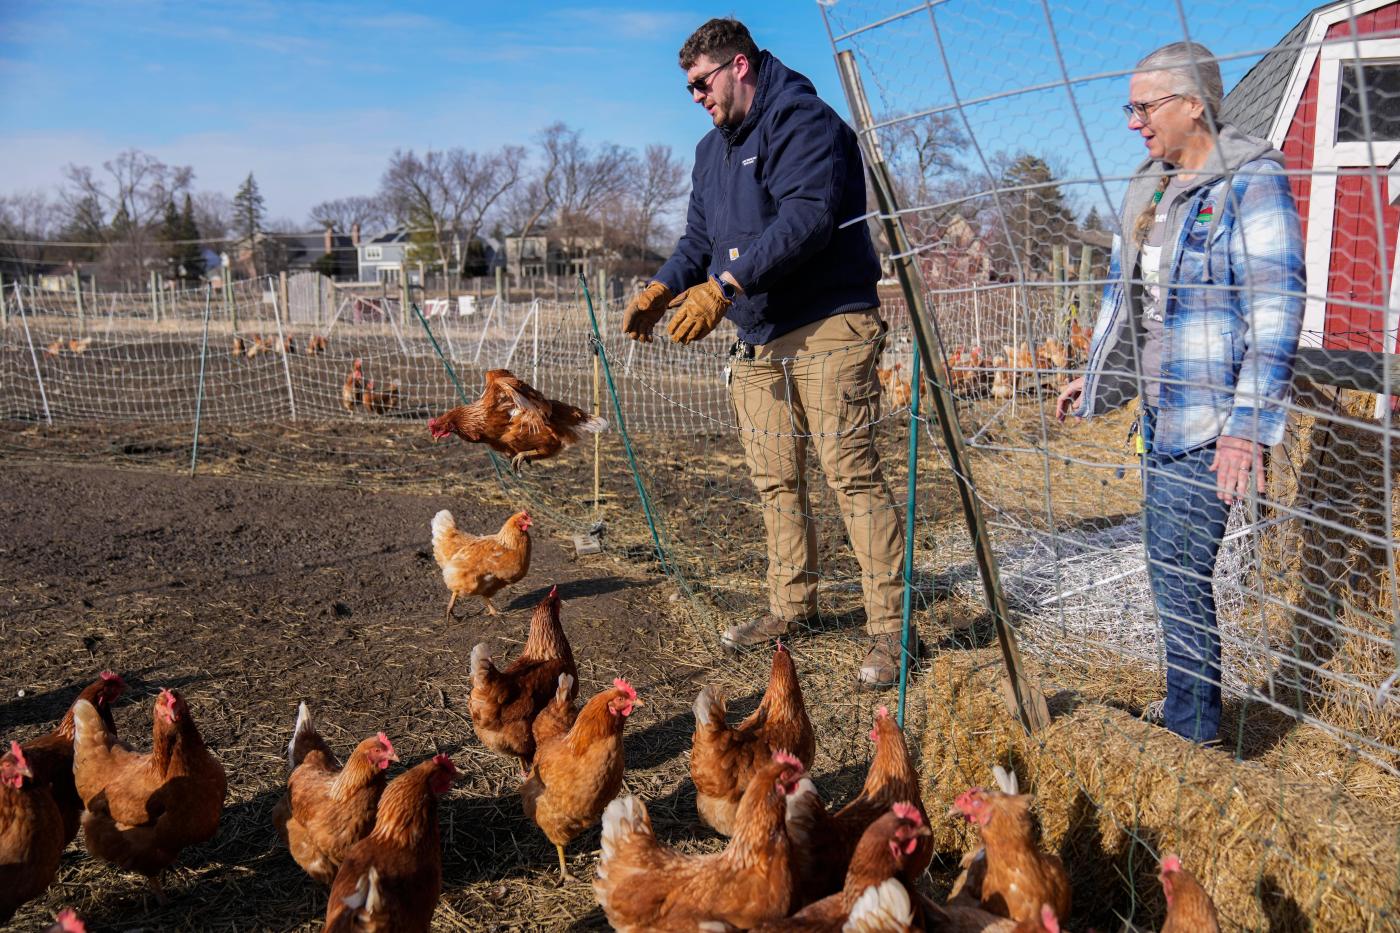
(792, 862)
(972, 374)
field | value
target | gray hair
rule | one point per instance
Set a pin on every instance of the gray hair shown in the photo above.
(1194, 73)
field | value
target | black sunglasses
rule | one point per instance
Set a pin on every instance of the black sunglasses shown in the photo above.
(701, 84)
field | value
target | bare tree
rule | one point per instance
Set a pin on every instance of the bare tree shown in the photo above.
(132, 189)
(213, 214)
(27, 220)
(343, 213)
(660, 184)
(585, 180)
(445, 197)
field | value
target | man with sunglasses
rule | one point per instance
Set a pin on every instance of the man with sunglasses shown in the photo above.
(770, 244)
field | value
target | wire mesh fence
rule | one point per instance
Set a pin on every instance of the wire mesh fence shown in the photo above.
(1126, 577)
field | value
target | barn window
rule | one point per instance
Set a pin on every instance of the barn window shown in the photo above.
(1381, 81)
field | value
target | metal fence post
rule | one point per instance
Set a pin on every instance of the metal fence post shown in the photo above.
(199, 392)
(34, 356)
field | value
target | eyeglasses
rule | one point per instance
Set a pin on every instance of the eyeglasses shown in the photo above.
(1143, 110)
(701, 85)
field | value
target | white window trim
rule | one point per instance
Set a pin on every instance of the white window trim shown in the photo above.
(374, 253)
(1328, 156)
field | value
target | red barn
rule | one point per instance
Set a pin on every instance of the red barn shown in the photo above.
(1328, 95)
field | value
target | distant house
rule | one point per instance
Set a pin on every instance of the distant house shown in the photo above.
(382, 257)
(1305, 98)
(327, 252)
(549, 253)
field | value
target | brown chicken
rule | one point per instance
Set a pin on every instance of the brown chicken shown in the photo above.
(481, 566)
(965, 369)
(328, 808)
(724, 758)
(77, 345)
(238, 347)
(51, 756)
(883, 853)
(897, 390)
(643, 885)
(1002, 383)
(315, 344)
(577, 773)
(380, 403)
(559, 715)
(514, 419)
(1189, 907)
(56, 348)
(824, 842)
(1017, 879)
(31, 834)
(350, 390)
(1052, 354)
(142, 809)
(391, 879)
(1079, 340)
(505, 703)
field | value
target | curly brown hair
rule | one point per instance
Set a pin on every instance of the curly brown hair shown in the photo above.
(720, 38)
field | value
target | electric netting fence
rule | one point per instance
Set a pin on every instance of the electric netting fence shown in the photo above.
(1000, 156)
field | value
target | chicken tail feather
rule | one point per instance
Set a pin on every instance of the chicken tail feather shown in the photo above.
(594, 425)
(304, 726)
(881, 908)
(89, 732)
(624, 820)
(481, 664)
(710, 707)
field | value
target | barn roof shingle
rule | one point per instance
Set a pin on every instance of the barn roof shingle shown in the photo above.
(1253, 102)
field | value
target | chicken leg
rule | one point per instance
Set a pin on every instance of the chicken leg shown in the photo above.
(520, 458)
(450, 603)
(490, 609)
(564, 876)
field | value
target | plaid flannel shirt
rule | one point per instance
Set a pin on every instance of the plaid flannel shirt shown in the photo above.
(1232, 308)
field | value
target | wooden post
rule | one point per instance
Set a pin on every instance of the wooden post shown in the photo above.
(500, 283)
(4, 308)
(404, 296)
(155, 307)
(1057, 273)
(228, 298)
(1026, 698)
(284, 308)
(78, 290)
(1086, 291)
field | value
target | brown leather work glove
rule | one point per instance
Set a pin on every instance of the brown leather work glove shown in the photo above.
(645, 310)
(698, 311)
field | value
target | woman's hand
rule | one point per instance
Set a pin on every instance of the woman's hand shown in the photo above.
(1234, 458)
(1069, 398)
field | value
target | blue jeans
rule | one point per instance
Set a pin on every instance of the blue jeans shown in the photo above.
(1184, 523)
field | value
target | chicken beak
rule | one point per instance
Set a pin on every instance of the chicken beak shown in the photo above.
(953, 811)
(923, 831)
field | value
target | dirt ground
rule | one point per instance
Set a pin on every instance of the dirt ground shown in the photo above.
(249, 593)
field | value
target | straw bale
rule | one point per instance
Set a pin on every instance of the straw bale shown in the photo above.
(1113, 794)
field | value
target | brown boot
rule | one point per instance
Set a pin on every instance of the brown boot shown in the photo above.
(881, 666)
(758, 633)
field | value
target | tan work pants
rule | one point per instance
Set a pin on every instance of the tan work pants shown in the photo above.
(818, 385)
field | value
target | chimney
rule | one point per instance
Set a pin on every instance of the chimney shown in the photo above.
(355, 235)
(330, 240)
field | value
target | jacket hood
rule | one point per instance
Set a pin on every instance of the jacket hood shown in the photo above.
(1233, 148)
(775, 81)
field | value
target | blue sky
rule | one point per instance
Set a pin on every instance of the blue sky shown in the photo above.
(313, 97)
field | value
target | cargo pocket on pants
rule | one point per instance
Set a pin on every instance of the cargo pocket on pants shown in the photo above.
(857, 411)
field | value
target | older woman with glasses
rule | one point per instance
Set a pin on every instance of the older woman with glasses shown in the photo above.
(1200, 320)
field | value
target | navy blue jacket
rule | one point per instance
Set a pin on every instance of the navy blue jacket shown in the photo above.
(766, 201)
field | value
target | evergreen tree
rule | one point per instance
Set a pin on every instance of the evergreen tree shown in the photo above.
(1036, 213)
(248, 211)
(191, 255)
(1092, 220)
(169, 235)
(85, 224)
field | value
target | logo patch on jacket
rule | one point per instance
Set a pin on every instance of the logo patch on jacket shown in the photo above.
(733, 253)
(750, 160)
(1204, 215)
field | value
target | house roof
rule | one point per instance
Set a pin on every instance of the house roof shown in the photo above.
(391, 236)
(1252, 103)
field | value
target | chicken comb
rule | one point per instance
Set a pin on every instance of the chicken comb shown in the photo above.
(111, 676)
(70, 922)
(17, 751)
(909, 812)
(384, 741)
(444, 761)
(780, 647)
(1048, 918)
(788, 760)
(553, 592)
(882, 713)
(1171, 863)
(625, 687)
